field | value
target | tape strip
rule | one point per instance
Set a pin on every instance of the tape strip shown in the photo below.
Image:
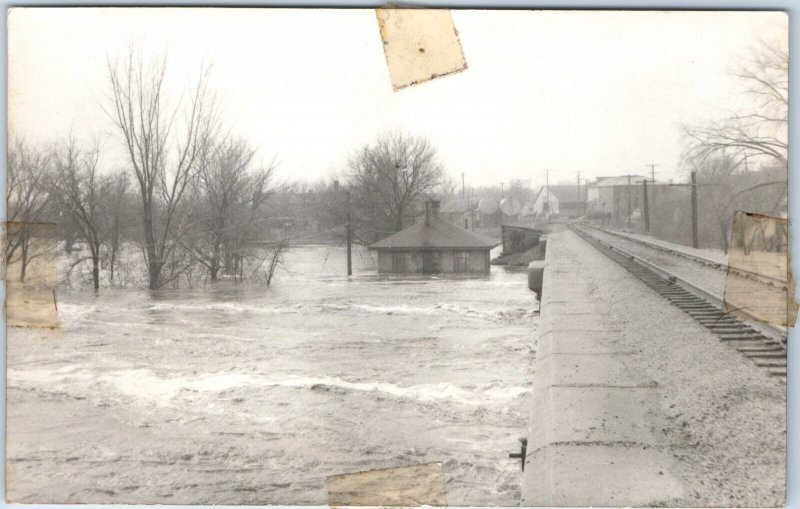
(31, 275)
(758, 282)
(414, 485)
(419, 44)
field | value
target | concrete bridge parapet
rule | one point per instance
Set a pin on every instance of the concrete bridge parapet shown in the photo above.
(591, 439)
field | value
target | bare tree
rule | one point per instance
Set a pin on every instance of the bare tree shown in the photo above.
(116, 206)
(232, 195)
(26, 198)
(386, 177)
(448, 189)
(761, 131)
(164, 145)
(723, 189)
(78, 188)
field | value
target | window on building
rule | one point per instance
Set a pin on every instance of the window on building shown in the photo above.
(399, 262)
(461, 261)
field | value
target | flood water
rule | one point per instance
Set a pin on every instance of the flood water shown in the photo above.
(241, 394)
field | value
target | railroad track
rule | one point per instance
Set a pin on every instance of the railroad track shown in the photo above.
(707, 262)
(763, 344)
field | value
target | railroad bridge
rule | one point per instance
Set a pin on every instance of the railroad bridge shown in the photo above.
(645, 391)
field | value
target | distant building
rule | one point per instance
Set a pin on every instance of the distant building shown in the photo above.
(433, 246)
(544, 202)
(605, 195)
(460, 212)
(571, 200)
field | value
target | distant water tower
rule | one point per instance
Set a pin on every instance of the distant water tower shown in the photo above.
(487, 206)
(510, 206)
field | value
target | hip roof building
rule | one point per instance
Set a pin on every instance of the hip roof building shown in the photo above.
(433, 246)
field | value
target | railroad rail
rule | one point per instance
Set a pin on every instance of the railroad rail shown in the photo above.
(762, 278)
(761, 343)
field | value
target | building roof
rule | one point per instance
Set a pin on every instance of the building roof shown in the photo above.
(536, 195)
(440, 234)
(618, 181)
(567, 193)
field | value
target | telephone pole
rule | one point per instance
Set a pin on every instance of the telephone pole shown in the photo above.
(652, 172)
(547, 193)
(463, 187)
(349, 239)
(629, 202)
(695, 243)
(646, 208)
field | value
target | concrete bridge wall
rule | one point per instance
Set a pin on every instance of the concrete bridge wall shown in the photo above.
(636, 404)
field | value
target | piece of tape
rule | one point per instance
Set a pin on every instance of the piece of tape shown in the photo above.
(413, 485)
(759, 284)
(419, 44)
(31, 275)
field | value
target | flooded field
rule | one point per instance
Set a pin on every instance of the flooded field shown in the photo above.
(241, 394)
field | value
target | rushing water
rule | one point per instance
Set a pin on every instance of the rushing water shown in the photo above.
(242, 394)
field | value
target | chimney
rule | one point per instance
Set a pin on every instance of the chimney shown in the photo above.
(427, 213)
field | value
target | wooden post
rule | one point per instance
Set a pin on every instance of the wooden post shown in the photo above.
(695, 242)
(646, 208)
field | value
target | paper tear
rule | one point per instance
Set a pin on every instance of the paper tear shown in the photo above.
(759, 284)
(419, 44)
(31, 301)
(413, 485)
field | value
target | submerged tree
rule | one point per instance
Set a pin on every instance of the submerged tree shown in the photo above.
(80, 191)
(231, 196)
(117, 210)
(164, 145)
(27, 199)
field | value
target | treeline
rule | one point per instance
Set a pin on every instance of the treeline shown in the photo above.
(383, 188)
(192, 200)
(740, 160)
(191, 196)
(211, 226)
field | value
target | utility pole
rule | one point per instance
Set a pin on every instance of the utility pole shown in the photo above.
(652, 172)
(547, 193)
(349, 239)
(464, 199)
(579, 186)
(471, 210)
(501, 191)
(629, 202)
(646, 208)
(695, 243)
(585, 196)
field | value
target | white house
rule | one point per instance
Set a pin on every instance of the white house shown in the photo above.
(544, 201)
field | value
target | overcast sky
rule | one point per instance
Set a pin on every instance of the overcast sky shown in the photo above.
(602, 93)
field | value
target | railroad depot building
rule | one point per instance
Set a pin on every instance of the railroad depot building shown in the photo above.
(433, 246)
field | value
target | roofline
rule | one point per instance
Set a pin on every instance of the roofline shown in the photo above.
(429, 248)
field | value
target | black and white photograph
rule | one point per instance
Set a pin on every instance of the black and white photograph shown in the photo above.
(397, 257)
